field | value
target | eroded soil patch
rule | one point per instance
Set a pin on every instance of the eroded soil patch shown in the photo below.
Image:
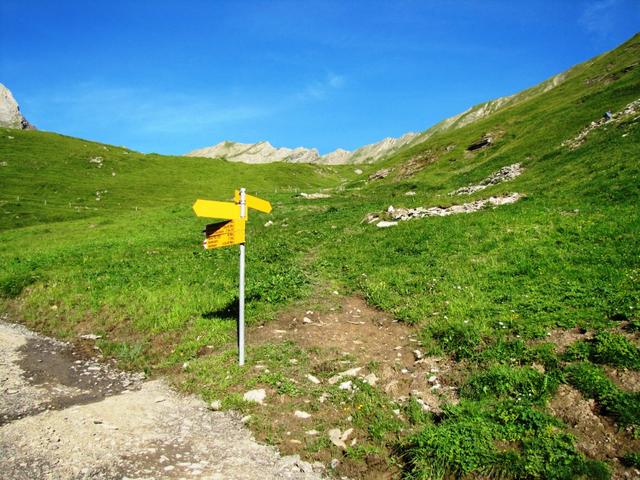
(347, 342)
(367, 338)
(595, 435)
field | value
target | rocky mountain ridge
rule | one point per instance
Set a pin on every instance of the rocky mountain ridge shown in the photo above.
(10, 116)
(264, 152)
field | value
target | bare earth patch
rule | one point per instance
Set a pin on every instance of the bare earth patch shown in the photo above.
(365, 336)
(596, 436)
(563, 338)
(346, 341)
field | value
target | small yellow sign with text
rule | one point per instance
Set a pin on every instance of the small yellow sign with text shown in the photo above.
(224, 234)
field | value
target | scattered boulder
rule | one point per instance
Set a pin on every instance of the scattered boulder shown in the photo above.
(371, 379)
(90, 336)
(348, 385)
(302, 415)
(352, 372)
(386, 224)
(338, 438)
(256, 396)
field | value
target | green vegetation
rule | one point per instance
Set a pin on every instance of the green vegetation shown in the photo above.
(110, 246)
(498, 440)
(623, 406)
(607, 348)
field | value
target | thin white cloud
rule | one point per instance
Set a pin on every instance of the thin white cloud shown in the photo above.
(598, 17)
(321, 89)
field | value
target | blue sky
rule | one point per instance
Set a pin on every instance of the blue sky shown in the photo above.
(172, 76)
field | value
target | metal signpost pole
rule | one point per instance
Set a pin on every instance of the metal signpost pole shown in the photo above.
(243, 214)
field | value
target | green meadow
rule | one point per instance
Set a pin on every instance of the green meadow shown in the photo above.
(101, 239)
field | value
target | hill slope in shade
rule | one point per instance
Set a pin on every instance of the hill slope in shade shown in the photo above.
(525, 315)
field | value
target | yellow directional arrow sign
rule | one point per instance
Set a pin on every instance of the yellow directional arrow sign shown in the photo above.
(231, 232)
(213, 209)
(223, 234)
(254, 202)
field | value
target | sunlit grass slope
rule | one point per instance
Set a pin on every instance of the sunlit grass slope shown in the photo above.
(485, 289)
(45, 177)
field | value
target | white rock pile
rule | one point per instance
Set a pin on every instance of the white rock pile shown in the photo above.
(503, 175)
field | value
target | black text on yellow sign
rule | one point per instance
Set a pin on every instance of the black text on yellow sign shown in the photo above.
(224, 234)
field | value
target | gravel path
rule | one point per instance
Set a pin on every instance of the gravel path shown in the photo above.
(63, 416)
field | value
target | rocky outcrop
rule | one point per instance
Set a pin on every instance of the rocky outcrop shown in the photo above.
(10, 116)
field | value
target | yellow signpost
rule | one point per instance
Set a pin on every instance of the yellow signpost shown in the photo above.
(253, 202)
(213, 209)
(223, 234)
(231, 232)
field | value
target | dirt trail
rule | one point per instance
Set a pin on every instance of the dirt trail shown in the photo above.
(67, 417)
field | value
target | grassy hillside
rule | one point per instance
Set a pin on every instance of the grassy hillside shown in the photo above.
(48, 177)
(495, 294)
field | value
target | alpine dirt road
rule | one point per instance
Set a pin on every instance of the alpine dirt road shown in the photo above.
(64, 415)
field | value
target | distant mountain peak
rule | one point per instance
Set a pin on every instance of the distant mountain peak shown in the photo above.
(264, 152)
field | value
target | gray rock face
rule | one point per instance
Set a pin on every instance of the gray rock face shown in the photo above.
(10, 116)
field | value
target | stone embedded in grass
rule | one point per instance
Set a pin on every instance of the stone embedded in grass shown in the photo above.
(313, 379)
(352, 372)
(90, 336)
(301, 414)
(256, 396)
(371, 379)
(348, 385)
(339, 438)
(311, 432)
(307, 320)
(385, 224)
(215, 405)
